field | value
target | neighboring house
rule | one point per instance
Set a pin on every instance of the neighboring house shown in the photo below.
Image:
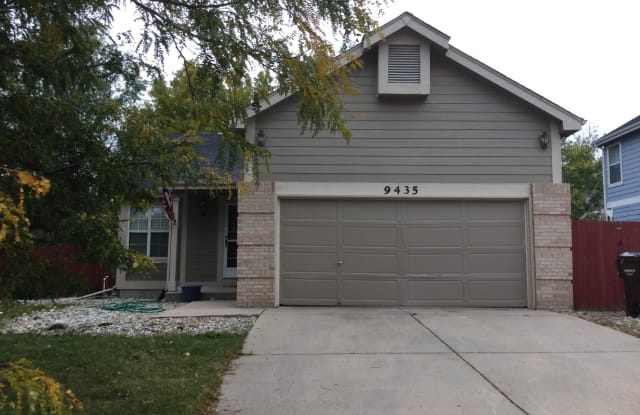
(449, 194)
(621, 171)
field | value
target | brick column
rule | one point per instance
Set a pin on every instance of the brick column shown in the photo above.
(256, 245)
(552, 245)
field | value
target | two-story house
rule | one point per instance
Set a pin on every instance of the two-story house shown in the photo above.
(450, 193)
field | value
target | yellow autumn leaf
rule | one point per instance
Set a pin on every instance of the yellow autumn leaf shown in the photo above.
(25, 178)
(13, 213)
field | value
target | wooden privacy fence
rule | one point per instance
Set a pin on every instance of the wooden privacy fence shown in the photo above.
(69, 258)
(596, 285)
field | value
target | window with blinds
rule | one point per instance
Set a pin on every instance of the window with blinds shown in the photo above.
(149, 232)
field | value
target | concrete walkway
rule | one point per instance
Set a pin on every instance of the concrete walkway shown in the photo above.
(210, 309)
(427, 361)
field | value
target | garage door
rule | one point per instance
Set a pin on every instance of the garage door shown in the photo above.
(402, 252)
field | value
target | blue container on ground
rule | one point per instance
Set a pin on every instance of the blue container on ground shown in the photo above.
(191, 292)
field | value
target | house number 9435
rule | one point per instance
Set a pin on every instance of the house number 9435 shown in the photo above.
(401, 190)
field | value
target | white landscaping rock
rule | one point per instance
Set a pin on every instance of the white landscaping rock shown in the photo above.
(85, 317)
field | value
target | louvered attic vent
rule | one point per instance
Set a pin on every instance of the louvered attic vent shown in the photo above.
(404, 65)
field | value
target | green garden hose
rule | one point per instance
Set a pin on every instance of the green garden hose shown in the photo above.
(138, 306)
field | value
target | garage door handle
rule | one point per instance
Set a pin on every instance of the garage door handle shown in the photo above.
(340, 262)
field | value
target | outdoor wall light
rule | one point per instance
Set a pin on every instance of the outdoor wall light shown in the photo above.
(261, 139)
(544, 140)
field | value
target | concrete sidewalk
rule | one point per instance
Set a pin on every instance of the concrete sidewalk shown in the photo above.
(428, 361)
(210, 309)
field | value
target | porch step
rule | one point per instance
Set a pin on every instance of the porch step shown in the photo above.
(207, 293)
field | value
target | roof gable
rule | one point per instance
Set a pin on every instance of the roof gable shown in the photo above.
(629, 127)
(569, 122)
(210, 147)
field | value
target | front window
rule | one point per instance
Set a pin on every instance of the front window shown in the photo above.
(149, 232)
(615, 170)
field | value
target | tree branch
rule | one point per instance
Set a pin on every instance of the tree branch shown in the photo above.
(192, 5)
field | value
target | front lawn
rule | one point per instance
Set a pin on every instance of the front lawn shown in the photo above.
(172, 375)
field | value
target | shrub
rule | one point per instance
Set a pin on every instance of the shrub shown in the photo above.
(28, 391)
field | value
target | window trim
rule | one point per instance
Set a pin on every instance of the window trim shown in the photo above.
(148, 232)
(618, 163)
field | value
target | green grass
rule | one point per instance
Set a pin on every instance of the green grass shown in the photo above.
(169, 375)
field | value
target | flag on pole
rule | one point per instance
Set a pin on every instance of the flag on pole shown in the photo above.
(167, 203)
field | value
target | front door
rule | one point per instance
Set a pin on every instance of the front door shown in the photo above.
(231, 241)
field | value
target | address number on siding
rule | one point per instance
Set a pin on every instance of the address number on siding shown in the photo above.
(401, 190)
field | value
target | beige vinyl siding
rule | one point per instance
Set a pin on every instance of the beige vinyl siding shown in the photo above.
(465, 131)
(202, 239)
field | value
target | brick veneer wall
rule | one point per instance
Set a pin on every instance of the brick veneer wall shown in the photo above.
(256, 245)
(552, 245)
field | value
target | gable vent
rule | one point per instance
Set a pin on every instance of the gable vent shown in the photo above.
(404, 64)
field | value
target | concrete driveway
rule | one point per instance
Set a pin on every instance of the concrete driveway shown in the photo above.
(431, 361)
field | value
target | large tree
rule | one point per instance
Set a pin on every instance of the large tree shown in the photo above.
(71, 123)
(582, 169)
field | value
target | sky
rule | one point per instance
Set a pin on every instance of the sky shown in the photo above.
(582, 55)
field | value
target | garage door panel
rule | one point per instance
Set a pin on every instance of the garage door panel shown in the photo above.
(365, 211)
(434, 212)
(371, 290)
(301, 291)
(449, 291)
(497, 291)
(313, 210)
(495, 236)
(370, 263)
(308, 235)
(299, 262)
(434, 237)
(501, 211)
(436, 264)
(491, 263)
(362, 236)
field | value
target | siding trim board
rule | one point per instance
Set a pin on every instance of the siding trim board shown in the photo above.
(425, 190)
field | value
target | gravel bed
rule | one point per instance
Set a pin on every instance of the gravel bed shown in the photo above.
(616, 320)
(86, 317)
